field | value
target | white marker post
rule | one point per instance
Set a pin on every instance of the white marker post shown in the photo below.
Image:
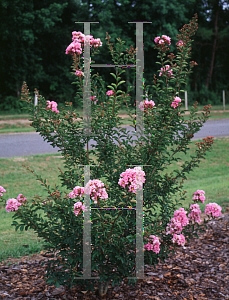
(186, 100)
(223, 99)
(35, 101)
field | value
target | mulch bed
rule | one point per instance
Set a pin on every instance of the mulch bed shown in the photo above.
(200, 271)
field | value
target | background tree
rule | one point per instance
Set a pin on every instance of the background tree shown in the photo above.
(210, 51)
(35, 34)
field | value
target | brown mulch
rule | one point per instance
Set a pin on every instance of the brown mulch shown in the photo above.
(200, 271)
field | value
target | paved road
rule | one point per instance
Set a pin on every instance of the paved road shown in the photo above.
(22, 144)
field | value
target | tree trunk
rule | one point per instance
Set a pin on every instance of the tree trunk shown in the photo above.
(214, 45)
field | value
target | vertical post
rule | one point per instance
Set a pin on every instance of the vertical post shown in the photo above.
(139, 234)
(186, 100)
(87, 229)
(35, 101)
(223, 99)
(139, 77)
(87, 82)
(139, 131)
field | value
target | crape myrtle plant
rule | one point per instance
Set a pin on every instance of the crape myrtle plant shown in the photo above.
(116, 174)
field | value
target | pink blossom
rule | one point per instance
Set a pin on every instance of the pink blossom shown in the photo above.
(167, 39)
(52, 105)
(96, 43)
(78, 39)
(2, 190)
(164, 39)
(74, 47)
(195, 213)
(175, 102)
(79, 73)
(180, 43)
(78, 36)
(93, 98)
(78, 206)
(214, 209)
(181, 215)
(179, 239)
(12, 205)
(199, 195)
(21, 198)
(149, 104)
(153, 244)
(146, 104)
(110, 92)
(174, 226)
(177, 222)
(134, 177)
(77, 191)
(96, 189)
(169, 72)
(156, 40)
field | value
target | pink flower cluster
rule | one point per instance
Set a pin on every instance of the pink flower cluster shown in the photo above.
(175, 102)
(110, 92)
(167, 70)
(93, 99)
(2, 190)
(77, 191)
(74, 47)
(52, 105)
(153, 244)
(78, 39)
(96, 189)
(21, 198)
(214, 209)
(180, 43)
(177, 222)
(134, 177)
(164, 39)
(79, 207)
(179, 239)
(79, 73)
(199, 195)
(13, 204)
(195, 213)
(146, 104)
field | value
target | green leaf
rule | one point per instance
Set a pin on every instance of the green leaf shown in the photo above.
(121, 82)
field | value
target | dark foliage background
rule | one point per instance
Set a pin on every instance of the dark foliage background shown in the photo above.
(34, 36)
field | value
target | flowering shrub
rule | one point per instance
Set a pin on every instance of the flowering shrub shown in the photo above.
(115, 181)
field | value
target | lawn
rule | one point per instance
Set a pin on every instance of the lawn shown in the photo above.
(212, 176)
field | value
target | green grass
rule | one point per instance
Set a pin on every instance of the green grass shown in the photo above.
(16, 179)
(14, 128)
(212, 176)
(14, 116)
